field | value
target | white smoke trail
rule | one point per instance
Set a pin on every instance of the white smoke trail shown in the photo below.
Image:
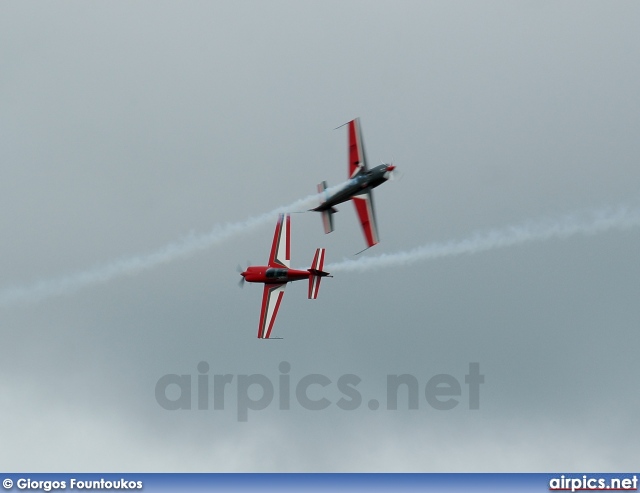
(593, 222)
(132, 265)
(585, 223)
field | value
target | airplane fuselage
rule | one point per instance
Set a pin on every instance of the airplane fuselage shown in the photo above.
(361, 184)
(266, 274)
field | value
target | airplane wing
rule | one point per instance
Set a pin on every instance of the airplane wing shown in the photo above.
(271, 298)
(281, 248)
(367, 217)
(357, 158)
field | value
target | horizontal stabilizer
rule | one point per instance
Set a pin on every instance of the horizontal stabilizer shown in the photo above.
(316, 273)
(327, 220)
(322, 187)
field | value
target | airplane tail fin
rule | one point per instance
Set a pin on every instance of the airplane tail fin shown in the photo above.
(327, 214)
(316, 273)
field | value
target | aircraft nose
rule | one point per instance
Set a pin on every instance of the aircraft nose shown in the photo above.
(391, 167)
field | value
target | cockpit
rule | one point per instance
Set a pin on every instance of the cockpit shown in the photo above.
(276, 273)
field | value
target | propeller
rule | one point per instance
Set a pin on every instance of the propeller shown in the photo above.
(241, 271)
(391, 173)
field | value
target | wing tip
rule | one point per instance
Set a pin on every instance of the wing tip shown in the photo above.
(357, 118)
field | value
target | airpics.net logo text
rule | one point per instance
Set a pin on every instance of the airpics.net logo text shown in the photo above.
(257, 392)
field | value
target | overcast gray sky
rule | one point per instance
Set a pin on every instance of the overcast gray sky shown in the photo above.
(127, 126)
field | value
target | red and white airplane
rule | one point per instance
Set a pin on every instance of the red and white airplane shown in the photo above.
(277, 274)
(359, 188)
